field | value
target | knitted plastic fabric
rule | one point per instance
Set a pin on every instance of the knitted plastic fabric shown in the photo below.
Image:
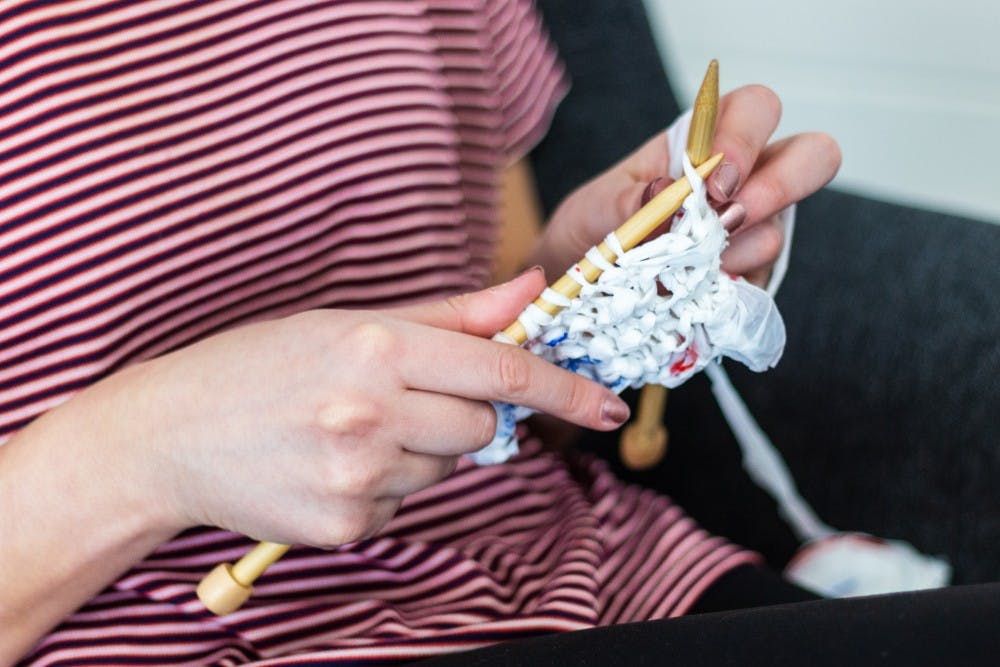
(665, 310)
(662, 312)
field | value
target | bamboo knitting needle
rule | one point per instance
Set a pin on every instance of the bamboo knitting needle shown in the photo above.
(227, 587)
(706, 108)
(644, 442)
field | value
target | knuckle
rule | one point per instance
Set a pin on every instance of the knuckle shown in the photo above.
(513, 375)
(364, 480)
(766, 99)
(311, 319)
(772, 241)
(379, 515)
(373, 341)
(776, 193)
(486, 426)
(326, 529)
(628, 200)
(741, 150)
(828, 149)
(327, 541)
(350, 416)
(575, 397)
(364, 521)
(347, 479)
(350, 528)
(457, 305)
(329, 535)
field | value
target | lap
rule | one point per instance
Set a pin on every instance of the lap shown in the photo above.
(946, 626)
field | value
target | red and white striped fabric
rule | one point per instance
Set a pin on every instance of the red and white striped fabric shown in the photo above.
(172, 168)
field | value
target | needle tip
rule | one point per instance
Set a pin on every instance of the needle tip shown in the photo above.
(706, 107)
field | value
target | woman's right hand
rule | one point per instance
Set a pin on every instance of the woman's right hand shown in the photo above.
(311, 429)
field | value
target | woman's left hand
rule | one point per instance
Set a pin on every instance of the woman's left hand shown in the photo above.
(756, 180)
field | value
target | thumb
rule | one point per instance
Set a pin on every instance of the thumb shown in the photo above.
(636, 194)
(481, 313)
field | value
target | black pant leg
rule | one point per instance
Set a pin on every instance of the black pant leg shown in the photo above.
(950, 626)
(749, 586)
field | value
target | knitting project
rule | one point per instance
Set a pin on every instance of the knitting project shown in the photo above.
(659, 314)
(664, 311)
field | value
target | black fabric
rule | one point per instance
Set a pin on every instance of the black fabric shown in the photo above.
(951, 626)
(884, 402)
(749, 586)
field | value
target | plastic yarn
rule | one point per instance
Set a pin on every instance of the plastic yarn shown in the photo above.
(659, 314)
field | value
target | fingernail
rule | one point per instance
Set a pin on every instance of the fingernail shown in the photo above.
(614, 411)
(654, 188)
(536, 267)
(724, 181)
(733, 216)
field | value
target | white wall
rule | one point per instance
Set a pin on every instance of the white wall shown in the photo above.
(910, 88)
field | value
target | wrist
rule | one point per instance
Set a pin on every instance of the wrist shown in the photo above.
(110, 433)
(79, 512)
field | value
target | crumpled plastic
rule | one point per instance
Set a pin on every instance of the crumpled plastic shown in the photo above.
(853, 564)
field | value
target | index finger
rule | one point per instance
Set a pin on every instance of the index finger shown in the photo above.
(461, 365)
(747, 118)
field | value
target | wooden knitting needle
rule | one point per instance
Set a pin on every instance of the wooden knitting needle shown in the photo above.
(644, 442)
(227, 587)
(706, 108)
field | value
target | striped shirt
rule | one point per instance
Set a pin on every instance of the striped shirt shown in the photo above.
(170, 169)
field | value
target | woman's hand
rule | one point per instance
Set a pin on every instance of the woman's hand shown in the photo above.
(312, 429)
(755, 181)
(306, 430)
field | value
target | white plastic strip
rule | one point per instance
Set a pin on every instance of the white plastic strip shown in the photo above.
(614, 244)
(555, 298)
(597, 259)
(762, 461)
